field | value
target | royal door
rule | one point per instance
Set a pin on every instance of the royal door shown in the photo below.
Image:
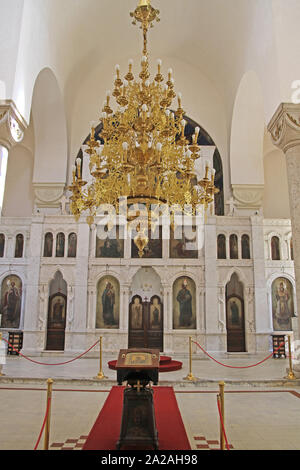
(145, 323)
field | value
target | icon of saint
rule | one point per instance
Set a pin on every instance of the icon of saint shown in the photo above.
(184, 297)
(137, 314)
(108, 304)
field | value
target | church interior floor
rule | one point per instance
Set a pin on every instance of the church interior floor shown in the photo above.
(256, 418)
(84, 371)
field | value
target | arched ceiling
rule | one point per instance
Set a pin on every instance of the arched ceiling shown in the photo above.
(220, 38)
(223, 39)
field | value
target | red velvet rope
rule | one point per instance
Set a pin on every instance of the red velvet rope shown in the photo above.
(237, 367)
(222, 424)
(44, 363)
(44, 424)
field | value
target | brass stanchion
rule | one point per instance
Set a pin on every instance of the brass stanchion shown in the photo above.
(101, 375)
(47, 427)
(291, 374)
(190, 375)
(222, 407)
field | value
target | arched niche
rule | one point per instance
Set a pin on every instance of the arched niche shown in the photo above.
(146, 283)
(48, 245)
(247, 133)
(146, 325)
(245, 245)
(72, 245)
(57, 313)
(48, 113)
(2, 245)
(234, 246)
(235, 315)
(204, 139)
(221, 246)
(275, 248)
(19, 246)
(60, 245)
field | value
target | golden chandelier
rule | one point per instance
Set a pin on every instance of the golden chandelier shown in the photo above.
(146, 156)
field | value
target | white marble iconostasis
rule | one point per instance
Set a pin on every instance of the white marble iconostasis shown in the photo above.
(146, 277)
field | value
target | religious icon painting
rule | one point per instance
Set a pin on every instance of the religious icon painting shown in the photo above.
(72, 245)
(108, 303)
(221, 246)
(275, 249)
(235, 313)
(48, 245)
(155, 314)
(11, 301)
(2, 245)
(136, 314)
(183, 243)
(184, 304)
(282, 304)
(233, 245)
(246, 247)
(57, 311)
(19, 247)
(109, 244)
(60, 245)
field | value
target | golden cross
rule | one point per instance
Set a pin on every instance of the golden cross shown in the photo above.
(138, 386)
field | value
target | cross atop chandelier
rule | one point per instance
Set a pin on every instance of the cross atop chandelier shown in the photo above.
(145, 156)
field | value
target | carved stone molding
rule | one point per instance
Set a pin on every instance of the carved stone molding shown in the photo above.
(284, 126)
(12, 124)
(48, 194)
(248, 196)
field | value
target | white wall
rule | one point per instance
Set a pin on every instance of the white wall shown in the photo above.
(10, 27)
(18, 196)
(247, 133)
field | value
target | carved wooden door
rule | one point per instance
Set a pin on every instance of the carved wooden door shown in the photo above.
(56, 326)
(145, 323)
(235, 320)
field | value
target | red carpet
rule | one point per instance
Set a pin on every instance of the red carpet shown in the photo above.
(171, 431)
(166, 364)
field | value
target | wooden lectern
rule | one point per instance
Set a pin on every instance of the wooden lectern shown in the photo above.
(138, 367)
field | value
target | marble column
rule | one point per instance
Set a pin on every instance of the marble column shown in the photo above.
(79, 325)
(262, 319)
(12, 127)
(215, 340)
(33, 338)
(285, 132)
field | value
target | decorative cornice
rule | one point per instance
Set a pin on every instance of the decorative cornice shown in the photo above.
(248, 196)
(12, 124)
(48, 194)
(284, 126)
(277, 222)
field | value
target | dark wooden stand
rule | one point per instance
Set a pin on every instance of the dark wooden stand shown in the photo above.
(15, 338)
(138, 428)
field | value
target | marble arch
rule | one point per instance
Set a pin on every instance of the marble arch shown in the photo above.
(51, 142)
